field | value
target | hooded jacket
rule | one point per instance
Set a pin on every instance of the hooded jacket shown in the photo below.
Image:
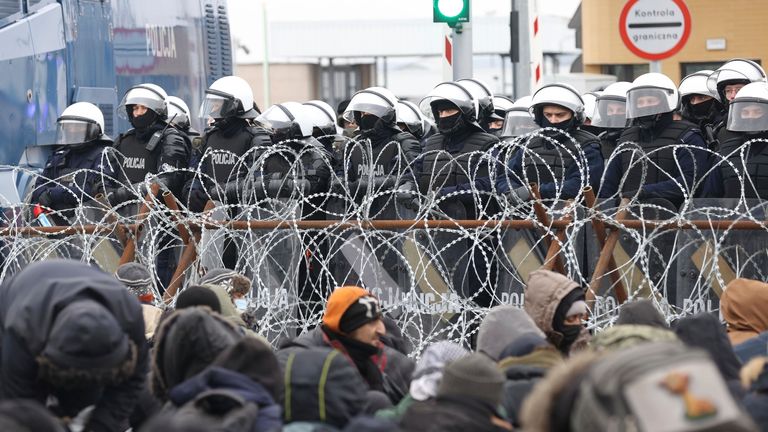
(30, 302)
(395, 368)
(744, 305)
(543, 293)
(186, 343)
(500, 327)
(705, 331)
(522, 373)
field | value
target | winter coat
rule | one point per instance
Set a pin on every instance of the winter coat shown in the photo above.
(452, 414)
(269, 415)
(502, 326)
(29, 304)
(543, 293)
(744, 305)
(756, 401)
(522, 374)
(754, 347)
(395, 368)
(548, 407)
(628, 335)
(186, 343)
(705, 331)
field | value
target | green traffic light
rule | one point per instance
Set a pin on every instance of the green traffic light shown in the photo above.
(451, 12)
(450, 8)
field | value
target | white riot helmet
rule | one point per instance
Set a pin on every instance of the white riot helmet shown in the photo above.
(502, 104)
(151, 96)
(611, 106)
(650, 94)
(288, 120)
(590, 100)
(563, 95)
(178, 112)
(518, 120)
(748, 111)
(378, 101)
(696, 84)
(736, 71)
(412, 118)
(81, 122)
(454, 94)
(323, 117)
(482, 94)
(227, 97)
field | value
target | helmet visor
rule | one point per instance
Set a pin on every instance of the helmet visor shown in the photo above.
(449, 92)
(76, 130)
(368, 102)
(141, 96)
(518, 123)
(610, 112)
(218, 105)
(276, 119)
(646, 101)
(748, 116)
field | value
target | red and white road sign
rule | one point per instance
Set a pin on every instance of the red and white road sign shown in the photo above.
(655, 29)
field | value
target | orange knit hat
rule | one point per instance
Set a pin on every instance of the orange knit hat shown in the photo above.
(340, 300)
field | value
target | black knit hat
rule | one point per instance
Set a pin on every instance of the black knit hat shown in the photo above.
(561, 313)
(86, 335)
(197, 295)
(364, 310)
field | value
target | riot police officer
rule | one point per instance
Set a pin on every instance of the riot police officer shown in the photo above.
(611, 115)
(151, 146)
(484, 97)
(324, 127)
(381, 157)
(700, 106)
(743, 163)
(411, 119)
(302, 166)
(555, 158)
(734, 74)
(228, 146)
(652, 164)
(501, 105)
(590, 100)
(78, 166)
(180, 118)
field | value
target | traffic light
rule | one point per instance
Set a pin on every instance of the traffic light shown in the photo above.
(450, 12)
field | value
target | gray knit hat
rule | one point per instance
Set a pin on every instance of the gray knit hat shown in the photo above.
(474, 376)
(136, 278)
(234, 282)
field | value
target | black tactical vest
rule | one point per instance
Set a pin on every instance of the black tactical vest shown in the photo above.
(380, 159)
(226, 152)
(661, 154)
(750, 166)
(442, 168)
(546, 162)
(137, 161)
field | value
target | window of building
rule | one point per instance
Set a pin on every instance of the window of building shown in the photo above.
(626, 72)
(689, 68)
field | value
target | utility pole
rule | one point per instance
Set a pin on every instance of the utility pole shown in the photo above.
(457, 52)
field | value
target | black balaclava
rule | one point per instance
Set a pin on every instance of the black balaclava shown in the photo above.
(143, 121)
(652, 125)
(450, 125)
(570, 332)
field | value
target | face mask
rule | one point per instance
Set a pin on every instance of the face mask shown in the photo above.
(570, 334)
(143, 121)
(368, 122)
(241, 304)
(564, 125)
(701, 110)
(449, 124)
(646, 122)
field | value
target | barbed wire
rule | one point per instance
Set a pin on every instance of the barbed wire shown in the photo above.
(375, 222)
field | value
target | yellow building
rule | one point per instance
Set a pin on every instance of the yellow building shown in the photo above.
(720, 30)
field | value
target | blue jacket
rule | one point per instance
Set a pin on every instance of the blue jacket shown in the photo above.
(572, 180)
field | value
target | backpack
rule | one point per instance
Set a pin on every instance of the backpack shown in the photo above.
(658, 387)
(228, 410)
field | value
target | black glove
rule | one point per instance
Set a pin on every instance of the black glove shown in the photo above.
(197, 199)
(121, 195)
